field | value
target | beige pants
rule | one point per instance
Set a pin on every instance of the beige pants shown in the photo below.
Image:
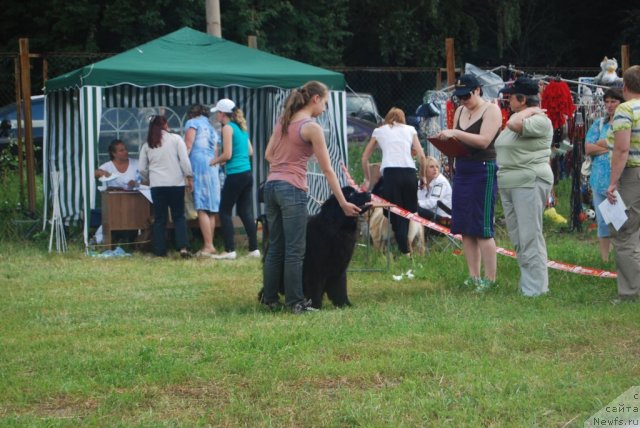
(523, 208)
(626, 241)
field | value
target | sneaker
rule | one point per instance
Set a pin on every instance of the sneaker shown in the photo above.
(255, 254)
(225, 256)
(622, 299)
(484, 285)
(471, 282)
(185, 254)
(303, 307)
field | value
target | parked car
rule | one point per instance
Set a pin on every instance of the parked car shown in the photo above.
(362, 117)
(9, 125)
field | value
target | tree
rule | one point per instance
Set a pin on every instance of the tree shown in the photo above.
(315, 36)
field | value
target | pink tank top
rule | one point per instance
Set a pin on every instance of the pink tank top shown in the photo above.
(290, 155)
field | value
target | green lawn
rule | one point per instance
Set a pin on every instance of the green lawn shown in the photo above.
(141, 341)
(145, 342)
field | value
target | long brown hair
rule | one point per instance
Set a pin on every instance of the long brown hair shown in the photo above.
(299, 98)
(156, 126)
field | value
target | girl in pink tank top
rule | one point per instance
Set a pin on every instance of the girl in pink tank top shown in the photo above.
(296, 137)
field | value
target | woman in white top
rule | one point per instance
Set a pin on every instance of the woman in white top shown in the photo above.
(121, 165)
(399, 143)
(434, 187)
(165, 163)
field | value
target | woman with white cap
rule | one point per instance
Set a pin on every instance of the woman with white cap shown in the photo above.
(238, 185)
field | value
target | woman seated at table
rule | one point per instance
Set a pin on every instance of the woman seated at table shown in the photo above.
(434, 194)
(126, 171)
(121, 165)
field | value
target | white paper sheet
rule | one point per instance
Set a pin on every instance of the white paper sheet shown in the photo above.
(614, 214)
(146, 191)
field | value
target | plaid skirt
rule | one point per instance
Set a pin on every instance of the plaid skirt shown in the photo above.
(474, 198)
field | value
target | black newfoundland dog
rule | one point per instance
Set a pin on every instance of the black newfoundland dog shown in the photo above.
(331, 239)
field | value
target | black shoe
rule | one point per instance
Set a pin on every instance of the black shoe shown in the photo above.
(303, 307)
(185, 254)
(273, 306)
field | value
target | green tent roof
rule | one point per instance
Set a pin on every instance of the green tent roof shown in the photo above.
(187, 58)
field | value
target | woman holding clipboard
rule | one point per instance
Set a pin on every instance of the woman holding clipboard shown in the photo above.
(477, 124)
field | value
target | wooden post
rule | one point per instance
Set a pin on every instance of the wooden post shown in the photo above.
(25, 78)
(451, 61)
(252, 42)
(624, 57)
(212, 10)
(20, 141)
(45, 70)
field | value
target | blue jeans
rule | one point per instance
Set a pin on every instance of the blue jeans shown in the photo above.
(168, 197)
(286, 208)
(237, 191)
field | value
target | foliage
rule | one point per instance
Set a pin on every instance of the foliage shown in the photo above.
(335, 32)
(315, 36)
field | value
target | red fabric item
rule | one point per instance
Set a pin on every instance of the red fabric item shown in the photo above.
(506, 114)
(451, 111)
(557, 100)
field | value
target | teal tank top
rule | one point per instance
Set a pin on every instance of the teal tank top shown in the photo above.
(240, 160)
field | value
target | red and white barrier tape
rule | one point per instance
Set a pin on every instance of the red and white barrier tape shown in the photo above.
(503, 251)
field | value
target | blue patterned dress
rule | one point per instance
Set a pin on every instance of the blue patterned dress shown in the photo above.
(206, 181)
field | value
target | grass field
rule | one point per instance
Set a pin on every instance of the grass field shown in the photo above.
(141, 341)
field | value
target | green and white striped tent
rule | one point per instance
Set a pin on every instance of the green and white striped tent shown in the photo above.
(172, 72)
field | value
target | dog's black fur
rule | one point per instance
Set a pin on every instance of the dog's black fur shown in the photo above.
(331, 239)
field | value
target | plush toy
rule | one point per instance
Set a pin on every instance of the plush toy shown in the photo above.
(608, 75)
(552, 214)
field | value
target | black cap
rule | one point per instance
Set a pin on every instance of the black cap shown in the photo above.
(465, 84)
(523, 85)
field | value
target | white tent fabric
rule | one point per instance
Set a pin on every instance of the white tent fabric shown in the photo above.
(74, 121)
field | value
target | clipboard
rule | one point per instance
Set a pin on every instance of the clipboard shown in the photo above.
(450, 147)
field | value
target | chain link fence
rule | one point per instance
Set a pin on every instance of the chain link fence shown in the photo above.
(405, 87)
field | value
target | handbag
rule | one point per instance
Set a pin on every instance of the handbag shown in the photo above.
(190, 211)
(585, 170)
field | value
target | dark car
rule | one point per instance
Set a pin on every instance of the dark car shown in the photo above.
(362, 117)
(9, 125)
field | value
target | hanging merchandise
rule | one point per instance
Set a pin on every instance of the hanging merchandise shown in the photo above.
(451, 111)
(577, 138)
(557, 100)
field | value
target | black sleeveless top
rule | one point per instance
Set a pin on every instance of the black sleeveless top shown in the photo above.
(478, 155)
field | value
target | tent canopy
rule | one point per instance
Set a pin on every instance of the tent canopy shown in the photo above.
(187, 58)
(182, 68)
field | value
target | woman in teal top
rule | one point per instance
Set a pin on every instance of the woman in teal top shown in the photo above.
(238, 185)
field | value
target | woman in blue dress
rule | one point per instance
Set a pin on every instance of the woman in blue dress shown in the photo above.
(596, 147)
(202, 141)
